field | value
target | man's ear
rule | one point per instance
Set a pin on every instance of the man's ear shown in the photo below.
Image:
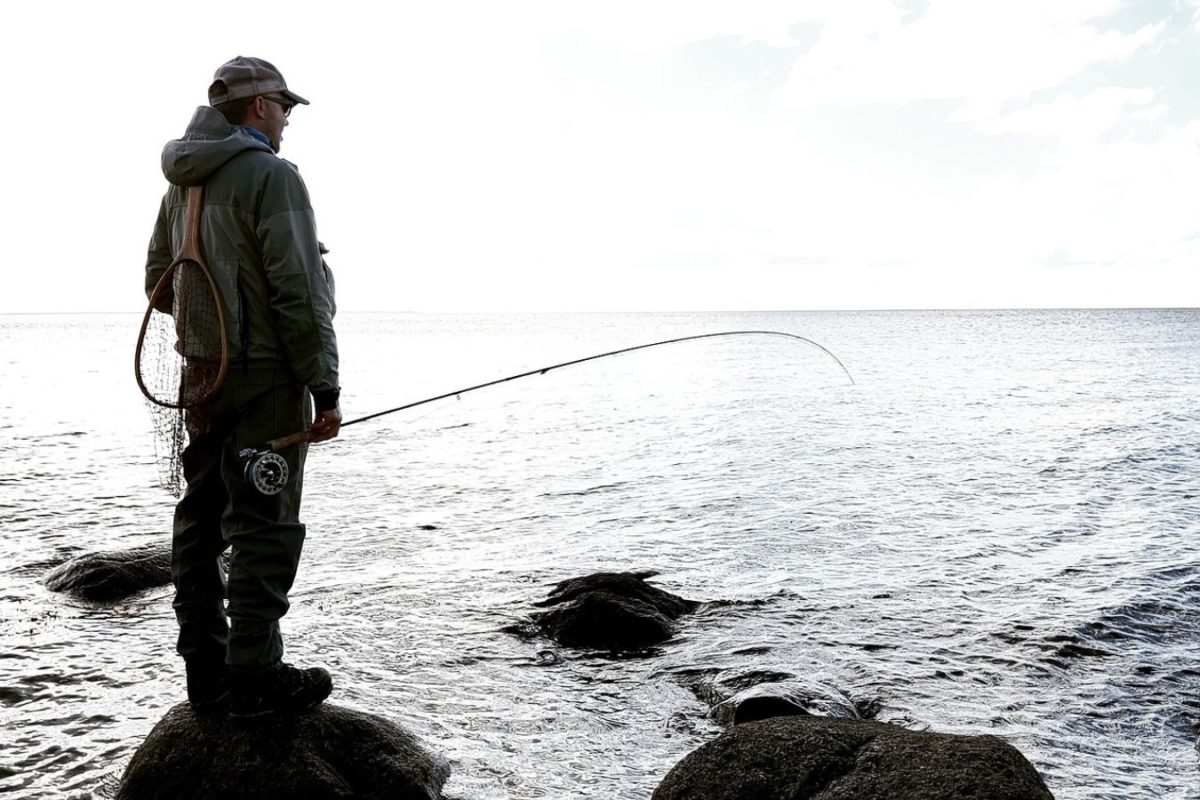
(257, 108)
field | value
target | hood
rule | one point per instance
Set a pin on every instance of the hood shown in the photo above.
(207, 144)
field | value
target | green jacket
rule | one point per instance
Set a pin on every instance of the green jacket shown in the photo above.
(259, 239)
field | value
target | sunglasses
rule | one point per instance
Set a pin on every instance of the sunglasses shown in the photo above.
(287, 107)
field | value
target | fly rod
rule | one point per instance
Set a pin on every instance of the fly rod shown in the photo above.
(268, 472)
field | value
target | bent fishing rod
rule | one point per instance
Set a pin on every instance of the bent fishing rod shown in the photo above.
(267, 471)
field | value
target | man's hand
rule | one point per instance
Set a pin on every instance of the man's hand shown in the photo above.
(326, 425)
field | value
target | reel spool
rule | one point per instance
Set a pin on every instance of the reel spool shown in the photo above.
(266, 471)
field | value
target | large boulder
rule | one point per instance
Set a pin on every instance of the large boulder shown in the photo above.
(813, 758)
(612, 611)
(112, 575)
(324, 754)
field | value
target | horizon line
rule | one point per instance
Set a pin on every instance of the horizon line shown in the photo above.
(895, 309)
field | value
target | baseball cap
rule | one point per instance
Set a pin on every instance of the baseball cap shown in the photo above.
(248, 77)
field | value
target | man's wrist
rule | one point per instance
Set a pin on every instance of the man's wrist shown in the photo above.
(326, 399)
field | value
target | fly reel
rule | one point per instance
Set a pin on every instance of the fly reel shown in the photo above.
(265, 470)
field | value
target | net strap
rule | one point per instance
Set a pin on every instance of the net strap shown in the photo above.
(190, 249)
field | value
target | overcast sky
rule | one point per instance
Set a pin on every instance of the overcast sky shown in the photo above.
(485, 156)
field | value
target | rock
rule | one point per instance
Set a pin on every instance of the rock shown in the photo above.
(624, 584)
(714, 686)
(611, 610)
(814, 758)
(329, 752)
(749, 695)
(605, 620)
(785, 699)
(112, 575)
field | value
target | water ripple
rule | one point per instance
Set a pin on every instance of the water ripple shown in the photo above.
(994, 532)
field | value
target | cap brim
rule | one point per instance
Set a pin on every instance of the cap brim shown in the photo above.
(295, 98)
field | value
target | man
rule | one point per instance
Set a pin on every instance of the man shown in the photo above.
(259, 239)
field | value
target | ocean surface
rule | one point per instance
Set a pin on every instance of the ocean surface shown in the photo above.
(994, 530)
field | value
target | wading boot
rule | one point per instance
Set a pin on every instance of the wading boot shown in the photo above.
(281, 689)
(207, 685)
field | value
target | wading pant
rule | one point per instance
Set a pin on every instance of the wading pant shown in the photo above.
(219, 508)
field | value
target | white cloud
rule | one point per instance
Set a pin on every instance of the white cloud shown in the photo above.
(983, 53)
(636, 24)
(484, 156)
(1079, 120)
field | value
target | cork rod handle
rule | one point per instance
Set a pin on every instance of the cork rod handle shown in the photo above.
(287, 441)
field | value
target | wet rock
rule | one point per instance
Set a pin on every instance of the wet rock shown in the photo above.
(112, 575)
(785, 699)
(749, 695)
(813, 758)
(329, 752)
(611, 610)
(606, 620)
(623, 584)
(714, 686)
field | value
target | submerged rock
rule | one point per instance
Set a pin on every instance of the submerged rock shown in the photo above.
(814, 758)
(631, 585)
(794, 698)
(329, 752)
(748, 695)
(611, 610)
(112, 575)
(603, 619)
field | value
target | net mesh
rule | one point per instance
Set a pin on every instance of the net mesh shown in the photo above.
(169, 441)
(179, 361)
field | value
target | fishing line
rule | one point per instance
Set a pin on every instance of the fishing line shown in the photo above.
(267, 471)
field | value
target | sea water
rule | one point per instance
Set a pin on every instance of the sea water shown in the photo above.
(995, 529)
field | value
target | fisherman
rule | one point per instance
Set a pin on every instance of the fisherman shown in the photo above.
(259, 238)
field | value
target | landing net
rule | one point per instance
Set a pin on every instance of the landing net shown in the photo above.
(180, 360)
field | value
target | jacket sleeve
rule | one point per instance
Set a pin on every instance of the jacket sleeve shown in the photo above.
(300, 295)
(329, 279)
(159, 257)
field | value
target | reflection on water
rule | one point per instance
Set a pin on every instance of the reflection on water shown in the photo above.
(993, 532)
